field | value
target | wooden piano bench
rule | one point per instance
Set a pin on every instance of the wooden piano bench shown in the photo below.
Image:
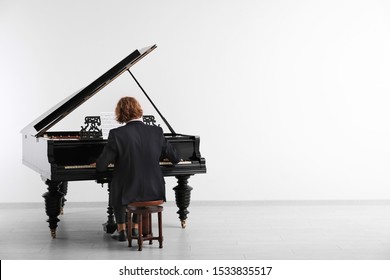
(144, 211)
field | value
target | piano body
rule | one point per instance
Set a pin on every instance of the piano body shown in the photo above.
(63, 156)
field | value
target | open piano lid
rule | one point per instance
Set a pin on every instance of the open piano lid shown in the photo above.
(39, 126)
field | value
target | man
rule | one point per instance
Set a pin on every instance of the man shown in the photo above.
(135, 150)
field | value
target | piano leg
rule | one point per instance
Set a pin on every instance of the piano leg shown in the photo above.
(110, 225)
(53, 203)
(64, 190)
(183, 197)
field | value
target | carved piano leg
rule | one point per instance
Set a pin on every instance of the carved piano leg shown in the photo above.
(110, 225)
(53, 203)
(64, 190)
(183, 197)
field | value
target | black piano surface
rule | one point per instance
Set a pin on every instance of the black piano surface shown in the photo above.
(63, 156)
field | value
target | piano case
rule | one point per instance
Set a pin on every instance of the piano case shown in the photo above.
(63, 156)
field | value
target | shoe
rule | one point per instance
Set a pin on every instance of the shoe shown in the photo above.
(120, 236)
(134, 232)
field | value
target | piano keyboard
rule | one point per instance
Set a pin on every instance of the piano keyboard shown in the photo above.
(180, 162)
(89, 166)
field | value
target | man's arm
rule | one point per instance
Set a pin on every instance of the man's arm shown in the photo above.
(108, 154)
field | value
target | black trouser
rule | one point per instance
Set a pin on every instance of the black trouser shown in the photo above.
(120, 215)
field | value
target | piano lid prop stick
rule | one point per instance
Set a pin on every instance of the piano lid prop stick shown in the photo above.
(150, 100)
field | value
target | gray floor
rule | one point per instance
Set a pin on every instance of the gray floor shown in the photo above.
(215, 230)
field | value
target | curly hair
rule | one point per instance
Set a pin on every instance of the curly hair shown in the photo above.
(127, 109)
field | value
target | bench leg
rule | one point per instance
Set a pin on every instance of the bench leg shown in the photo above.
(129, 226)
(160, 236)
(140, 240)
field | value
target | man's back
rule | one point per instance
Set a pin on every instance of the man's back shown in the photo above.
(135, 149)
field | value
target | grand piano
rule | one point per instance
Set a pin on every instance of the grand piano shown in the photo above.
(63, 156)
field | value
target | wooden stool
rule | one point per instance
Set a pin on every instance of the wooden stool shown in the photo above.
(144, 210)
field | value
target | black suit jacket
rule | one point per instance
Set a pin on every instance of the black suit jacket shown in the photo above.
(135, 150)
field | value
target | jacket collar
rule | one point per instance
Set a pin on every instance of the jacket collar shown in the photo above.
(135, 121)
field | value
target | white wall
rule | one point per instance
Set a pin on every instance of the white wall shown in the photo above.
(290, 98)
